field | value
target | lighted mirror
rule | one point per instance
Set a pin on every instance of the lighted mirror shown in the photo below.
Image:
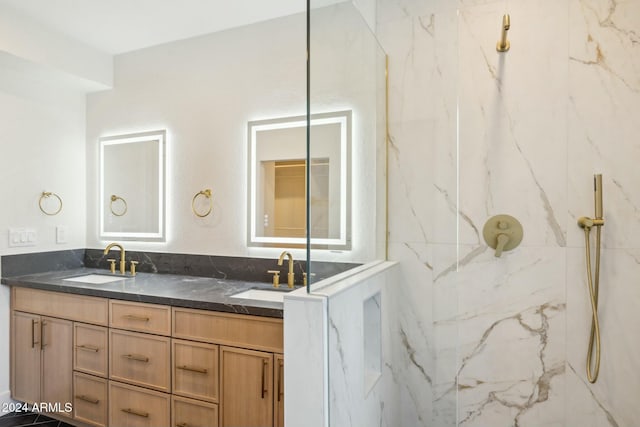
(277, 181)
(132, 182)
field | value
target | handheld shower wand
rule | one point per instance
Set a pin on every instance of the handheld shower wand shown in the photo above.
(594, 281)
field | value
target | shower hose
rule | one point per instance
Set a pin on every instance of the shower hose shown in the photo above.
(593, 283)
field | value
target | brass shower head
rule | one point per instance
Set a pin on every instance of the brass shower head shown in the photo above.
(503, 44)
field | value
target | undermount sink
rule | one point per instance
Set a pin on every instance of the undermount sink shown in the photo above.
(274, 295)
(96, 279)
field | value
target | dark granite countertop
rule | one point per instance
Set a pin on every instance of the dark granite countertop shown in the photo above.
(169, 289)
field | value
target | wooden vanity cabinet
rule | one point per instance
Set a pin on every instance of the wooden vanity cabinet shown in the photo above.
(278, 398)
(90, 399)
(41, 361)
(246, 384)
(135, 364)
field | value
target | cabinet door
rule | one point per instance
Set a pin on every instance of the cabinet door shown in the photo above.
(90, 351)
(278, 398)
(25, 357)
(90, 399)
(140, 359)
(57, 363)
(193, 413)
(246, 383)
(195, 370)
(131, 406)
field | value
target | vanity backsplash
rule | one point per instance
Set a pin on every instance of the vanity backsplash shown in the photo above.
(220, 267)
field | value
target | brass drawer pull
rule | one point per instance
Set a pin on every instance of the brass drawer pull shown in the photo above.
(182, 425)
(264, 381)
(136, 357)
(88, 347)
(138, 318)
(280, 372)
(134, 412)
(33, 333)
(87, 399)
(192, 369)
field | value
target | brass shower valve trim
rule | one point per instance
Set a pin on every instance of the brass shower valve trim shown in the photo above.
(502, 233)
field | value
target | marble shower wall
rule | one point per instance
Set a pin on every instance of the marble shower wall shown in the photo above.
(491, 341)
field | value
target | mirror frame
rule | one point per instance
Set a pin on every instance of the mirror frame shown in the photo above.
(158, 235)
(343, 242)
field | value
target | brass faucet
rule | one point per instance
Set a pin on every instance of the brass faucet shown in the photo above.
(291, 276)
(122, 255)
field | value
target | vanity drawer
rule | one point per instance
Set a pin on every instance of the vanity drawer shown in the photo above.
(193, 413)
(136, 407)
(136, 316)
(90, 399)
(260, 333)
(57, 304)
(195, 370)
(91, 349)
(140, 359)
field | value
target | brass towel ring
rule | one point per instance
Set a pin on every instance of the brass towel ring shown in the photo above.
(114, 199)
(206, 193)
(46, 195)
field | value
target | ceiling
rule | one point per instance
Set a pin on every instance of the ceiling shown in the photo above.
(118, 26)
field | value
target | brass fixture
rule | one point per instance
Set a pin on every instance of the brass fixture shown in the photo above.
(46, 195)
(122, 255)
(276, 277)
(593, 281)
(112, 264)
(291, 276)
(503, 45)
(133, 267)
(502, 233)
(207, 194)
(122, 211)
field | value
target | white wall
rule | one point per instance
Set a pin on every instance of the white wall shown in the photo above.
(204, 91)
(42, 149)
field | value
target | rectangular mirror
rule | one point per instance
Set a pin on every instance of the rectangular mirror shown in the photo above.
(132, 185)
(277, 181)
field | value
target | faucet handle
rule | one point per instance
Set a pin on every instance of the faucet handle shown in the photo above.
(133, 267)
(304, 278)
(113, 265)
(276, 277)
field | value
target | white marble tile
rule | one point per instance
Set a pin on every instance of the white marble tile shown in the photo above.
(356, 396)
(412, 338)
(512, 129)
(604, 95)
(614, 394)
(511, 339)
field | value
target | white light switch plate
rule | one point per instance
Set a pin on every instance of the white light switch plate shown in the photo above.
(23, 237)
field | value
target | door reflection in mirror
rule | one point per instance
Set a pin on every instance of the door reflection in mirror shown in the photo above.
(277, 181)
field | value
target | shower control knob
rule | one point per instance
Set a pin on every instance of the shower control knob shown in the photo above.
(502, 233)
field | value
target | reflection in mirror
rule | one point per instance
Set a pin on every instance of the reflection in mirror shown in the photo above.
(132, 186)
(277, 181)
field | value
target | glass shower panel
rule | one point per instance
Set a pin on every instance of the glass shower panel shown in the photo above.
(346, 177)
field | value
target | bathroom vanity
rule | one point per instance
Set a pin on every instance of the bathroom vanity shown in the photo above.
(154, 350)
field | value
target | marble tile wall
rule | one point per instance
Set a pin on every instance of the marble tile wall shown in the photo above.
(487, 341)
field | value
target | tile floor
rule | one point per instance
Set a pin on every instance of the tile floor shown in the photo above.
(22, 419)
